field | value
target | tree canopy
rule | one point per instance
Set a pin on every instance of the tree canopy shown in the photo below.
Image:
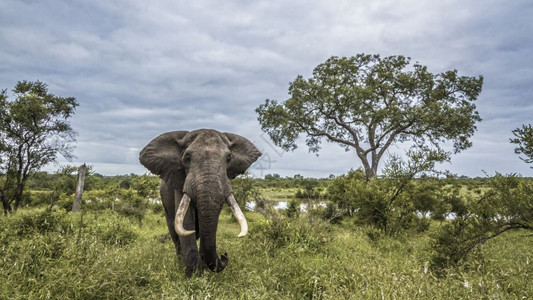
(524, 141)
(33, 131)
(368, 103)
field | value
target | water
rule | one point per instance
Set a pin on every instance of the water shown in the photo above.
(281, 205)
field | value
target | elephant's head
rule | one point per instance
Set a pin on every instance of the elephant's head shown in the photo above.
(207, 159)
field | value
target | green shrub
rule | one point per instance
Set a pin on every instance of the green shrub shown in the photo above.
(293, 209)
(112, 229)
(331, 213)
(507, 205)
(245, 190)
(131, 210)
(41, 221)
(421, 224)
(157, 208)
(65, 202)
(300, 194)
(117, 234)
(40, 198)
(277, 231)
(393, 204)
(97, 200)
(124, 201)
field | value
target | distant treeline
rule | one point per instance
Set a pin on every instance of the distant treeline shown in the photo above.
(49, 181)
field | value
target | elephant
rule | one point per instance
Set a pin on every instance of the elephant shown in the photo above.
(195, 168)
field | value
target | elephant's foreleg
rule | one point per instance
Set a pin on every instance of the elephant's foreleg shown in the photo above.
(167, 198)
(170, 224)
(189, 249)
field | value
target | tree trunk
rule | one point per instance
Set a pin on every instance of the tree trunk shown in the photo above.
(5, 203)
(76, 206)
(8, 186)
(369, 172)
(52, 198)
(18, 197)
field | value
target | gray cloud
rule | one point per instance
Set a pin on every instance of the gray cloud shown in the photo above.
(141, 68)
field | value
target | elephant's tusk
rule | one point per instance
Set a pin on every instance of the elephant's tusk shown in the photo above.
(180, 216)
(237, 212)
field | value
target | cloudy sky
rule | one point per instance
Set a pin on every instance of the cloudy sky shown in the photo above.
(141, 68)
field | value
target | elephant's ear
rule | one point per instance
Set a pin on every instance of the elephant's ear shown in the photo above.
(243, 153)
(162, 156)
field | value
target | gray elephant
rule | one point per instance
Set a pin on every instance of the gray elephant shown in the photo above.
(196, 168)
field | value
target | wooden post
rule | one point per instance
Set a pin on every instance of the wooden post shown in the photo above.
(76, 206)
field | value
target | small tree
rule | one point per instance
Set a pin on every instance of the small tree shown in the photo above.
(245, 190)
(524, 140)
(385, 203)
(506, 205)
(33, 131)
(308, 188)
(147, 186)
(367, 103)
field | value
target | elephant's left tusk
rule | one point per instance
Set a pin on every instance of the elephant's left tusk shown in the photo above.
(180, 216)
(237, 212)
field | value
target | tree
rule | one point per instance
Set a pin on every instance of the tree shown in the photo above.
(385, 203)
(506, 205)
(33, 131)
(308, 188)
(272, 176)
(245, 190)
(524, 140)
(147, 186)
(368, 103)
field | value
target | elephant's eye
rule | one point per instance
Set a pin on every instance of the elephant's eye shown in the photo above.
(228, 158)
(187, 158)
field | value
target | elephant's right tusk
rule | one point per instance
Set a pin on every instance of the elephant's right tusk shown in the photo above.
(237, 212)
(180, 216)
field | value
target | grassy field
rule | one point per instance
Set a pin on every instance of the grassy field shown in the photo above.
(278, 194)
(49, 256)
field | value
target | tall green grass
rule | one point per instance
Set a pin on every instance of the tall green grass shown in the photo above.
(57, 255)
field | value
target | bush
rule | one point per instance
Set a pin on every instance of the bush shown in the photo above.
(300, 194)
(117, 234)
(41, 221)
(65, 202)
(277, 231)
(293, 209)
(97, 200)
(157, 208)
(393, 204)
(370, 202)
(112, 229)
(373, 233)
(507, 205)
(126, 202)
(131, 205)
(245, 190)
(40, 198)
(331, 213)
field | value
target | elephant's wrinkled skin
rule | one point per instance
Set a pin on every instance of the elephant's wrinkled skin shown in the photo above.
(196, 168)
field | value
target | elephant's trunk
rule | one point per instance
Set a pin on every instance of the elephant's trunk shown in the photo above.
(209, 205)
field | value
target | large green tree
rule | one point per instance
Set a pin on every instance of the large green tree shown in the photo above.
(368, 103)
(524, 141)
(33, 131)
